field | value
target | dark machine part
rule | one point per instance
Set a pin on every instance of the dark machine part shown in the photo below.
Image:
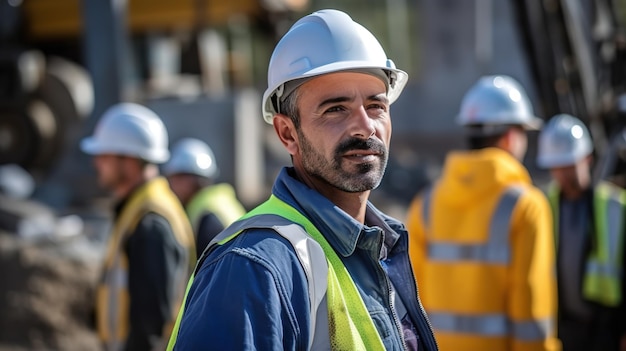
(577, 55)
(40, 101)
(41, 108)
(573, 51)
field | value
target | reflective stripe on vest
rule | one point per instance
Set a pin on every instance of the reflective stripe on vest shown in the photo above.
(352, 327)
(495, 251)
(112, 326)
(602, 281)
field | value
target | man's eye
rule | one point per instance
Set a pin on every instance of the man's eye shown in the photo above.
(378, 107)
(334, 109)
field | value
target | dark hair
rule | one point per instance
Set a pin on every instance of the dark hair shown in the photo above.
(482, 142)
(289, 107)
(482, 136)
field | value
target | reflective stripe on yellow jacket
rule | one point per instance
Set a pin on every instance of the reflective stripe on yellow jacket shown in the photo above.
(484, 257)
(218, 199)
(112, 300)
(603, 269)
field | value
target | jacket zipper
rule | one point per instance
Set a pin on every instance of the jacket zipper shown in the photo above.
(424, 318)
(390, 294)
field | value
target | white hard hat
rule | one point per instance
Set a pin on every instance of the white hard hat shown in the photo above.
(497, 101)
(191, 156)
(323, 42)
(563, 141)
(129, 129)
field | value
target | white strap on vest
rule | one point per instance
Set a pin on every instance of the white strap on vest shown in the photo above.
(312, 259)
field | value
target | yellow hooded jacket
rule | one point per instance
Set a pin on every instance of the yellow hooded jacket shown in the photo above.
(505, 300)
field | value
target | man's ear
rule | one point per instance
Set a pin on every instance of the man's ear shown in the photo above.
(286, 131)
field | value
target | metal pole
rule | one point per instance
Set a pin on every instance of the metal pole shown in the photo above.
(484, 33)
(105, 43)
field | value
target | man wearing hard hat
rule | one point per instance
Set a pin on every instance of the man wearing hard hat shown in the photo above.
(480, 236)
(191, 172)
(316, 266)
(589, 225)
(151, 250)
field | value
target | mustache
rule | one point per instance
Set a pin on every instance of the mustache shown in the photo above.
(360, 144)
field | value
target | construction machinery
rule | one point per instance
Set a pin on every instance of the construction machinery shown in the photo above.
(577, 54)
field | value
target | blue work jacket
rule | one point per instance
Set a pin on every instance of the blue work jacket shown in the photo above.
(251, 292)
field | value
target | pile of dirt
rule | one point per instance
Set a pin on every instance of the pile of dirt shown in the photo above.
(47, 294)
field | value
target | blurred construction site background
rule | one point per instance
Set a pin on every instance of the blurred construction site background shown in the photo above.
(201, 65)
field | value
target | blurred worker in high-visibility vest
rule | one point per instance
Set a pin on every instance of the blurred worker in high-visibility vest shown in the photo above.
(589, 236)
(192, 171)
(151, 249)
(481, 236)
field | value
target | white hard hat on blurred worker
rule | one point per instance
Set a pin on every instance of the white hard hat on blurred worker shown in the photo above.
(563, 141)
(323, 42)
(132, 130)
(496, 101)
(191, 156)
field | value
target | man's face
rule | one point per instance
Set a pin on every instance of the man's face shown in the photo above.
(183, 185)
(345, 130)
(574, 178)
(111, 170)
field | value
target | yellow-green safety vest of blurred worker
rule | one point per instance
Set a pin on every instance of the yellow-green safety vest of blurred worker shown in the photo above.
(603, 269)
(219, 199)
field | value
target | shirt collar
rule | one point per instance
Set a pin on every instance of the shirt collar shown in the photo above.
(340, 229)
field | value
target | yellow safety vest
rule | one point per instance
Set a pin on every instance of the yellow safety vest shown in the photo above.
(112, 298)
(218, 199)
(603, 269)
(352, 327)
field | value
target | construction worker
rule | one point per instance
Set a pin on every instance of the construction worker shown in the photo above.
(589, 236)
(317, 266)
(150, 250)
(480, 236)
(210, 206)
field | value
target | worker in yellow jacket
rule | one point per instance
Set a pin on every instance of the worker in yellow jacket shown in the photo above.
(480, 237)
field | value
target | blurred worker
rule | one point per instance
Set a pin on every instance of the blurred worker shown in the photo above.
(481, 236)
(317, 266)
(589, 236)
(151, 247)
(191, 172)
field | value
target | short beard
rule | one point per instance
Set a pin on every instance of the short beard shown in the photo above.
(367, 175)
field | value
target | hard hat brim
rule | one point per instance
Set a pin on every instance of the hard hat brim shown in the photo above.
(557, 162)
(487, 129)
(534, 123)
(401, 79)
(91, 146)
